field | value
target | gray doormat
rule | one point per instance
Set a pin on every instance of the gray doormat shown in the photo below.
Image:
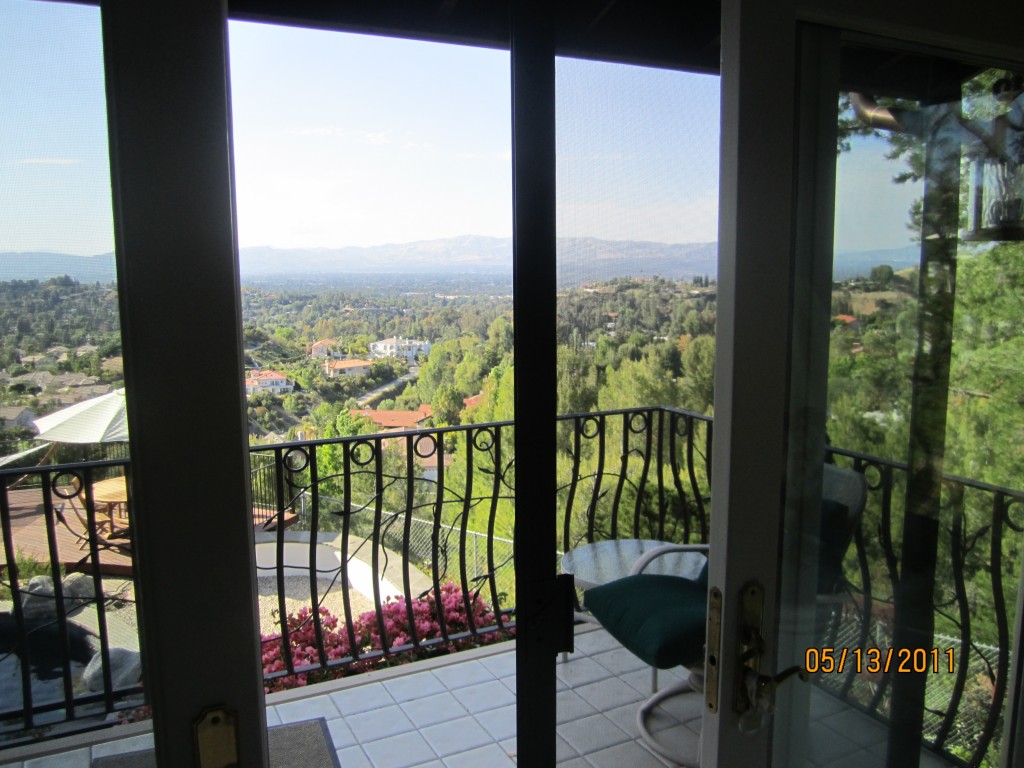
(307, 744)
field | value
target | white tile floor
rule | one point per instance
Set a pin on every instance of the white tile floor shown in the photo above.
(459, 712)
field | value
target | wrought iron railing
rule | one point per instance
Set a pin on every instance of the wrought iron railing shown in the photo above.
(68, 601)
(978, 566)
(405, 539)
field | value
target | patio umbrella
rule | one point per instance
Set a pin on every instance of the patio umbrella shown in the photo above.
(98, 420)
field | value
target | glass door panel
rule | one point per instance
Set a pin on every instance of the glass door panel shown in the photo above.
(899, 602)
(637, 196)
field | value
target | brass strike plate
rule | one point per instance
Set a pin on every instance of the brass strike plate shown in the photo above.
(216, 738)
(714, 650)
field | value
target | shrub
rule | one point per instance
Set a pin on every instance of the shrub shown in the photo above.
(366, 630)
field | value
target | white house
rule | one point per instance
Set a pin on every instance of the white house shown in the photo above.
(396, 346)
(267, 381)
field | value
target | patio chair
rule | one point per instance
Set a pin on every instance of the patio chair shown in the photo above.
(106, 536)
(662, 619)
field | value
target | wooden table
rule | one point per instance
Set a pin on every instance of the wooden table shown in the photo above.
(113, 494)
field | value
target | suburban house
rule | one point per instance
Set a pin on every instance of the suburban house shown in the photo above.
(324, 348)
(782, 66)
(16, 416)
(395, 421)
(335, 368)
(267, 381)
(396, 346)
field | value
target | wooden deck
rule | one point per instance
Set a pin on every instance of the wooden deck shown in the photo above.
(28, 531)
(29, 538)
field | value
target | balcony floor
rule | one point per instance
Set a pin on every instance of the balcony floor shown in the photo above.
(459, 712)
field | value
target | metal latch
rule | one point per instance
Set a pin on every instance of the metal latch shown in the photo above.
(755, 692)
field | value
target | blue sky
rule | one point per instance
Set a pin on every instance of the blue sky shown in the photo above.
(353, 140)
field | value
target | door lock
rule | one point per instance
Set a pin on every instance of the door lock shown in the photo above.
(755, 692)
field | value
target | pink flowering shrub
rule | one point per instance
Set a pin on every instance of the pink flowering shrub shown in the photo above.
(366, 628)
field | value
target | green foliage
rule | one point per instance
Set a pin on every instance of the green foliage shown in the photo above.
(27, 567)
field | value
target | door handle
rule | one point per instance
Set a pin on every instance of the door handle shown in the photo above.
(760, 696)
(755, 691)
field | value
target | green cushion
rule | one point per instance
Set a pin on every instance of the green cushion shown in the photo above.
(660, 619)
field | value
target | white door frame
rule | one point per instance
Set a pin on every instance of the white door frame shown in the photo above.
(758, 301)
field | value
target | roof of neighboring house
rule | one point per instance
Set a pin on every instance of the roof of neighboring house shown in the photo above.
(13, 412)
(342, 365)
(396, 419)
(472, 401)
(265, 375)
(846, 319)
(325, 343)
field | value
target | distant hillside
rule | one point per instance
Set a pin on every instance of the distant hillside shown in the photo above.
(859, 263)
(579, 260)
(43, 265)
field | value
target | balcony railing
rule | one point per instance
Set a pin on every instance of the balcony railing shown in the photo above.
(399, 546)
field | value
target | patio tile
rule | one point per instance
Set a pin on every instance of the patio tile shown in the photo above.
(353, 757)
(462, 675)
(569, 706)
(484, 696)
(575, 762)
(416, 686)
(680, 741)
(592, 733)
(826, 745)
(362, 698)
(122, 746)
(509, 746)
(608, 694)
(857, 727)
(625, 718)
(641, 678)
(401, 751)
(861, 759)
(341, 733)
(78, 758)
(434, 709)
(824, 704)
(580, 671)
(307, 709)
(379, 724)
(500, 723)
(563, 750)
(272, 717)
(501, 664)
(687, 707)
(456, 736)
(619, 661)
(431, 764)
(491, 756)
(593, 641)
(628, 754)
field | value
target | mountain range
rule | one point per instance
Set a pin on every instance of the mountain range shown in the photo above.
(579, 260)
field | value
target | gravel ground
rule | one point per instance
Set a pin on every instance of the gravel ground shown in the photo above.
(296, 596)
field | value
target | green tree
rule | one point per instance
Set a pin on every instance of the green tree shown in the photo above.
(698, 362)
